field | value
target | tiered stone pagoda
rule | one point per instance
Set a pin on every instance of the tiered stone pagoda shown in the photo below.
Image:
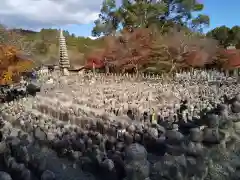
(64, 63)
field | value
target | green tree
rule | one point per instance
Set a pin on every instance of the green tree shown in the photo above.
(181, 12)
(41, 47)
(221, 34)
(200, 22)
(145, 13)
(234, 36)
(141, 13)
(108, 20)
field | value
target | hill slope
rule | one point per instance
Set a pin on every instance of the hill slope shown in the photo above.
(43, 45)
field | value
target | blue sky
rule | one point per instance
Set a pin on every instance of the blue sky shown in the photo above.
(80, 30)
(221, 12)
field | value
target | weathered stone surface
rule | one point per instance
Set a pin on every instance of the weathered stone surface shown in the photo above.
(135, 152)
(5, 176)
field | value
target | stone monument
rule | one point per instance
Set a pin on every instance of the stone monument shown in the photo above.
(64, 63)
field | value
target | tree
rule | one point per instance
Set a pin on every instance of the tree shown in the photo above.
(136, 46)
(142, 13)
(181, 49)
(108, 20)
(145, 48)
(234, 36)
(12, 37)
(41, 47)
(180, 12)
(128, 51)
(221, 34)
(200, 22)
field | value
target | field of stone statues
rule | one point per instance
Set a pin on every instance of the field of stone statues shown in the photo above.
(115, 127)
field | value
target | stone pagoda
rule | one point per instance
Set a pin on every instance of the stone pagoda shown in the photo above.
(64, 63)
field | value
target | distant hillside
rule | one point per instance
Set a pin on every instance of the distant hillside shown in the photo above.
(44, 44)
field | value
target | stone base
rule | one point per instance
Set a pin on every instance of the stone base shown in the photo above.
(65, 72)
(81, 72)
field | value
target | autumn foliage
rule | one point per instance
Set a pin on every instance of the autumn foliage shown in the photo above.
(12, 64)
(129, 51)
(229, 58)
(144, 47)
(96, 57)
(13, 60)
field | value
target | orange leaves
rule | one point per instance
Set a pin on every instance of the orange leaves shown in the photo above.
(12, 63)
(144, 46)
(129, 48)
(96, 57)
(229, 58)
(7, 55)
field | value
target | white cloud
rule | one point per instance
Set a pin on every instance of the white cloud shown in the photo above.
(92, 37)
(44, 13)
